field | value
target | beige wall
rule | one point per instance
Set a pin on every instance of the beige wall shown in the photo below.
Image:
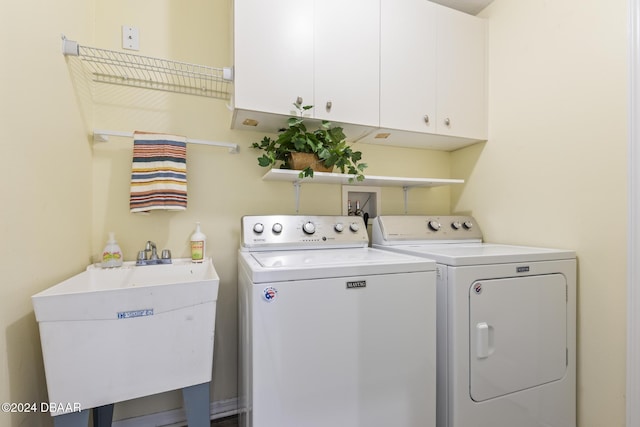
(556, 161)
(45, 184)
(553, 172)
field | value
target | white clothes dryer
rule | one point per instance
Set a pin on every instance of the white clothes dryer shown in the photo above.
(506, 323)
(333, 332)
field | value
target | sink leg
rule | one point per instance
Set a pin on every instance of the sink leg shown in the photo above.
(196, 404)
(103, 416)
(72, 419)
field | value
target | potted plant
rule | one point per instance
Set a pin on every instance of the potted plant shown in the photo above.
(326, 145)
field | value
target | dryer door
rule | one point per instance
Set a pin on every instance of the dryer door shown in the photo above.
(518, 334)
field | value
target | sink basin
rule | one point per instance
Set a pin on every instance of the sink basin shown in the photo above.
(110, 335)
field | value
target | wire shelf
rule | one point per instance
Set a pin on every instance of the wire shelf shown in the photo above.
(121, 68)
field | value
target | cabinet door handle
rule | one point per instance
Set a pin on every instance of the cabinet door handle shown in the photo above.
(329, 105)
(426, 118)
(447, 121)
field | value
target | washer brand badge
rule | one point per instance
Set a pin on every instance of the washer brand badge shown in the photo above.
(357, 284)
(524, 269)
(270, 294)
(135, 313)
(477, 288)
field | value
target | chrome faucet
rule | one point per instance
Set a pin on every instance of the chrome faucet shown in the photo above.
(145, 259)
(150, 246)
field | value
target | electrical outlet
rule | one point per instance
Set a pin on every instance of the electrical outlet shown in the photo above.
(130, 38)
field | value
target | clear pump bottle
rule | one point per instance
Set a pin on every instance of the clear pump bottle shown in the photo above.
(112, 254)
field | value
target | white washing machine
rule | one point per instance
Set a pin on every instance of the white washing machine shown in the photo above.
(506, 323)
(332, 332)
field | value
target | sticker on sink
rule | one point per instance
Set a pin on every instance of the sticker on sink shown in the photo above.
(135, 313)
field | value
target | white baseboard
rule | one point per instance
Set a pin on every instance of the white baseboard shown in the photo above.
(178, 417)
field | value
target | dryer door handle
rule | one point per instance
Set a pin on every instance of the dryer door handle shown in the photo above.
(483, 340)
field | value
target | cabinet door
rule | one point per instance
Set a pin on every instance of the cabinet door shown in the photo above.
(461, 74)
(273, 50)
(408, 65)
(347, 61)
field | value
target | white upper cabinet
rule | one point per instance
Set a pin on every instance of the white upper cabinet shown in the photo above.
(461, 77)
(413, 69)
(432, 71)
(324, 52)
(347, 61)
(273, 54)
(408, 65)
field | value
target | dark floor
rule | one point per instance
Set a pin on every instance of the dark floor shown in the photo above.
(231, 421)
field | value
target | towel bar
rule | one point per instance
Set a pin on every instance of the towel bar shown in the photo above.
(100, 135)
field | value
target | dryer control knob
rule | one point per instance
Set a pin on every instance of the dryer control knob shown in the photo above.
(467, 225)
(338, 227)
(309, 227)
(434, 225)
(354, 227)
(258, 227)
(456, 225)
(277, 228)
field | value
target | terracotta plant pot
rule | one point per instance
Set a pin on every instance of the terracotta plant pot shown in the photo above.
(300, 161)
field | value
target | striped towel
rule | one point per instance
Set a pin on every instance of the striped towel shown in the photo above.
(159, 172)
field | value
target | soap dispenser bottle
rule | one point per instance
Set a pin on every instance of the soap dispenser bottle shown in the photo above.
(111, 255)
(198, 245)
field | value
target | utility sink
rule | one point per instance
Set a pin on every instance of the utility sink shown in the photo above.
(116, 334)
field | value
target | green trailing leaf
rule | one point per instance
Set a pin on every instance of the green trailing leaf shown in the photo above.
(264, 161)
(294, 121)
(306, 172)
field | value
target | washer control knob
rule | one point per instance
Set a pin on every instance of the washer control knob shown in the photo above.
(277, 228)
(258, 227)
(456, 225)
(354, 227)
(338, 227)
(467, 225)
(309, 227)
(434, 225)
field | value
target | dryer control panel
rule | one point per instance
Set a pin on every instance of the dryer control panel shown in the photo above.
(433, 228)
(271, 232)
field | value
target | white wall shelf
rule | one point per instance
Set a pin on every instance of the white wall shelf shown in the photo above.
(121, 68)
(343, 179)
(288, 175)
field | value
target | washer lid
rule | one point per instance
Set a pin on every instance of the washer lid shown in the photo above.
(462, 254)
(321, 264)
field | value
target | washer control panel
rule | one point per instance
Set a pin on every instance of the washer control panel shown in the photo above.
(264, 232)
(443, 228)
